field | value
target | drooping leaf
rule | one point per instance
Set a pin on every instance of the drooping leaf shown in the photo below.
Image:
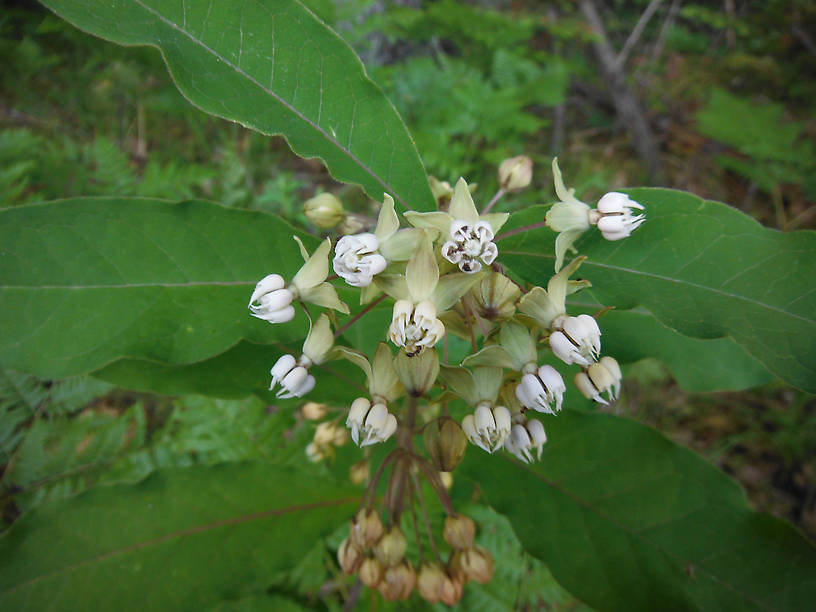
(180, 539)
(276, 68)
(703, 269)
(627, 520)
(85, 282)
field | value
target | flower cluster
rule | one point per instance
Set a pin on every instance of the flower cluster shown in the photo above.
(442, 273)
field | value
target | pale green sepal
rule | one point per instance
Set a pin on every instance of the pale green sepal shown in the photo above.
(319, 341)
(574, 286)
(357, 358)
(368, 293)
(401, 245)
(558, 285)
(394, 285)
(488, 382)
(564, 242)
(303, 252)
(453, 286)
(567, 216)
(422, 272)
(387, 222)
(539, 305)
(564, 194)
(518, 342)
(496, 220)
(316, 268)
(461, 206)
(461, 382)
(492, 356)
(324, 295)
(436, 220)
(384, 380)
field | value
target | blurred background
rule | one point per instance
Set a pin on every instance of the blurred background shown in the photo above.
(716, 98)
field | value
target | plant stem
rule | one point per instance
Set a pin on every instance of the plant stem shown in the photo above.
(359, 315)
(520, 230)
(431, 540)
(492, 202)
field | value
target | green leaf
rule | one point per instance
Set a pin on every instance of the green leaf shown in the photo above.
(717, 364)
(180, 539)
(85, 282)
(243, 370)
(703, 269)
(276, 68)
(626, 520)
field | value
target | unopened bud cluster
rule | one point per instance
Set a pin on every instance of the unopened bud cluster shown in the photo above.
(442, 277)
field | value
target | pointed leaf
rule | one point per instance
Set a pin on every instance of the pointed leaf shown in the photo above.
(627, 520)
(156, 554)
(277, 69)
(703, 269)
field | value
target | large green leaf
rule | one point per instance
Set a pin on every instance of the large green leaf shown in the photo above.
(627, 520)
(243, 370)
(703, 269)
(276, 68)
(179, 540)
(85, 282)
(716, 364)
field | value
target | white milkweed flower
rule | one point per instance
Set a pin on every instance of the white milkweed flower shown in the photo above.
(616, 216)
(577, 341)
(538, 391)
(292, 376)
(470, 242)
(488, 427)
(272, 301)
(370, 424)
(357, 259)
(415, 326)
(602, 377)
(523, 439)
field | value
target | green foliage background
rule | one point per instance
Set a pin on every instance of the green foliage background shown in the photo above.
(732, 104)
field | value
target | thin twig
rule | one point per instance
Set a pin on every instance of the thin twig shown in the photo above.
(416, 526)
(431, 540)
(492, 202)
(637, 31)
(520, 230)
(357, 317)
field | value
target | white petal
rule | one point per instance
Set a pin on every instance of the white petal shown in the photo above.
(268, 283)
(281, 368)
(489, 253)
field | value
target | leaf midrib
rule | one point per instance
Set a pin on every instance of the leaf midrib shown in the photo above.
(669, 279)
(279, 99)
(236, 520)
(128, 285)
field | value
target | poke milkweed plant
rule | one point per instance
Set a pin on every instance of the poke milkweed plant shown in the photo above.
(459, 339)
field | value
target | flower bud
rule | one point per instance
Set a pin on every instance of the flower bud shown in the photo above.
(430, 581)
(398, 581)
(417, 373)
(515, 173)
(325, 434)
(477, 564)
(314, 411)
(371, 572)
(496, 297)
(390, 549)
(366, 528)
(447, 479)
(451, 590)
(358, 473)
(458, 531)
(445, 443)
(324, 210)
(349, 556)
